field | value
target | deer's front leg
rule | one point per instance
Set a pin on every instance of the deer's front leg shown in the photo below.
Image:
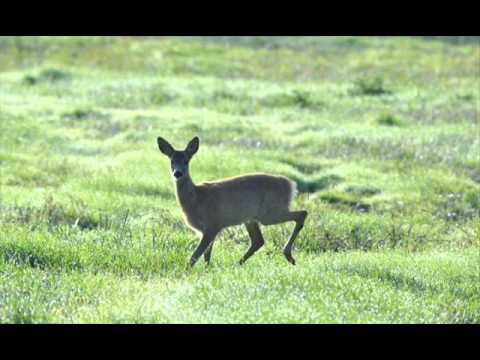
(207, 239)
(208, 253)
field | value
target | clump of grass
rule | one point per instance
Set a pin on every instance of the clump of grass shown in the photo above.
(296, 98)
(305, 167)
(51, 213)
(160, 95)
(83, 113)
(47, 75)
(77, 114)
(317, 183)
(54, 75)
(224, 94)
(459, 207)
(302, 98)
(369, 86)
(473, 199)
(344, 199)
(363, 190)
(30, 79)
(131, 95)
(340, 227)
(388, 119)
(468, 97)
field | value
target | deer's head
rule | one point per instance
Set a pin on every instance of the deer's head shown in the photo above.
(179, 159)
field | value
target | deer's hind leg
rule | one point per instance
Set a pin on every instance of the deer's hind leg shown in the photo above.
(257, 240)
(299, 218)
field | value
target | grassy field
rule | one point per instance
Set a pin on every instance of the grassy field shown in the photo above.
(381, 136)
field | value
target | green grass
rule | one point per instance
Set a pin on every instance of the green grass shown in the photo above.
(387, 119)
(381, 136)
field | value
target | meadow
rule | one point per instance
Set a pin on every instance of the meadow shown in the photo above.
(381, 136)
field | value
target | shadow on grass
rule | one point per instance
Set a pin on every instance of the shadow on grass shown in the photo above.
(38, 258)
(308, 168)
(316, 184)
(455, 40)
(396, 280)
(50, 75)
(345, 199)
(51, 214)
(145, 190)
(400, 281)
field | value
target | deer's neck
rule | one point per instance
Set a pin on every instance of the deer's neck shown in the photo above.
(186, 192)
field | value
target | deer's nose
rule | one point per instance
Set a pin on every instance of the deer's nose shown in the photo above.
(177, 173)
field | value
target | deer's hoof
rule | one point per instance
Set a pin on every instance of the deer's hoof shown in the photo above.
(290, 258)
(192, 263)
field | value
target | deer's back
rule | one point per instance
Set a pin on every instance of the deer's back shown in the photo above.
(244, 198)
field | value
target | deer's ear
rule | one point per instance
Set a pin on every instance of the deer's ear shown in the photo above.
(192, 146)
(165, 147)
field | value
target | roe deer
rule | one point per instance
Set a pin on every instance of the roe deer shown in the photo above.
(249, 199)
